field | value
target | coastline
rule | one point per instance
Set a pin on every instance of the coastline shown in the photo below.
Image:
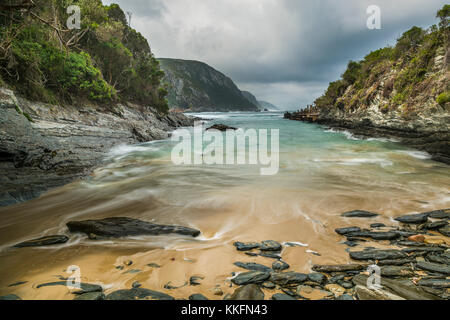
(45, 146)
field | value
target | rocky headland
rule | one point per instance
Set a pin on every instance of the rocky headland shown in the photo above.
(43, 146)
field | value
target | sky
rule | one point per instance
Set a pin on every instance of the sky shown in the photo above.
(283, 51)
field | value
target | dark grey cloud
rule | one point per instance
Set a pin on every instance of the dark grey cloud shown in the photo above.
(284, 51)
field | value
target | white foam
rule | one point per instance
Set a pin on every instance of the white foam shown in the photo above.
(422, 155)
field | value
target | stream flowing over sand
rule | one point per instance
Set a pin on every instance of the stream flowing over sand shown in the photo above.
(322, 174)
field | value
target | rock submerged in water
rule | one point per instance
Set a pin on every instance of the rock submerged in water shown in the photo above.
(270, 245)
(43, 241)
(221, 127)
(125, 227)
(359, 214)
(240, 246)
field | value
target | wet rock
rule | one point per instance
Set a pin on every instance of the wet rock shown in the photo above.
(310, 293)
(220, 127)
(279, 266)
(125, 227)
(268, 285)
(435, 283)
(16, 284)
(439, 214)
(218, 291)
(252, 277)
(270, 245)
(91, 296)
(240, 246)
(253, 266)
(403, 288)
(399, 262)
(169, 286)
(434, 267)
(44, 241)
(445, 231)
(364, 293)
(197, 297)
(433, 225)
(336, 279)
(282, 297)
(344, 231)
(437, 258)
(132, 271)
(378, 255)
(339, 268)
(346, 284)
(271, 255)
(288, 278)
(84, 287)
(377, 225)
(423, 250)
(351, 244)
(412, 243)
(375, 235)
(251, 254)
(128, 263)
(136, 285)
(317, 278)
(138, 293)
(10, 297)
(359, 214)
(153, 265)
(413, 218)
(248, 292)
(195, 280)
(395, 271)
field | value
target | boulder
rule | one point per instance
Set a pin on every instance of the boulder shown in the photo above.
(270, 245)
(220, 127)
(279, 266)
(288, 278)
(413, 218)
(252, 277)
(126, 227)
(253, 266)
(240, 246)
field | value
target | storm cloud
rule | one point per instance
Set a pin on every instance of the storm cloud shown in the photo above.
(284, 51)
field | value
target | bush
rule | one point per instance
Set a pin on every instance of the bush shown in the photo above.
(443, 98)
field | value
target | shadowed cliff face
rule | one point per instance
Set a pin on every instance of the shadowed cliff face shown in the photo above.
(196, 86)
(44, 146)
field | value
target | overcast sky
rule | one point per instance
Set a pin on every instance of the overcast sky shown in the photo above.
(283, 51)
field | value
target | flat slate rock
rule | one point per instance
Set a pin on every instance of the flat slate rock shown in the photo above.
(433, 225)
(439, 214)
(197, 297)
(84, 287)
(374, 235)
(396, 271)
(279, 266)
(282, 297)
(445, 231)
(44, 241)
(240, 246)
(377, 225)
(359, 214)
(270, 245)
(138, 293)
(345, 231)
(252, 277)
(438, 258)
(413, 218)
(317, 278)
(339, 268)
(253, 266)
(288, 278)
(434, 267)
(91, 296)
(435, 283)
(125, 227)
(378, 255)
(249, 292)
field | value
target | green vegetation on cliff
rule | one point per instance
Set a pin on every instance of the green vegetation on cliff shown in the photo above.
(195, 86)
(103, 61)
(408, 77)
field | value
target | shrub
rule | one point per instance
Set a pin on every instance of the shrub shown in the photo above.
(443, 98)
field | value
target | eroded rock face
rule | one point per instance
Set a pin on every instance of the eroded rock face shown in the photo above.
(125, 227)
(62, 144)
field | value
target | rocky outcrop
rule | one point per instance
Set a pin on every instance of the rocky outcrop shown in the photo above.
(44, 146)
(195, 86)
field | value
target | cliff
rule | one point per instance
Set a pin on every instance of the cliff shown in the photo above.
(195, 86)
(43, 146)
(401, 91)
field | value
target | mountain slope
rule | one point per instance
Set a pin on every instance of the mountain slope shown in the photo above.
(195, 86)
(267, 105)
(401, 91)
(250, 97)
